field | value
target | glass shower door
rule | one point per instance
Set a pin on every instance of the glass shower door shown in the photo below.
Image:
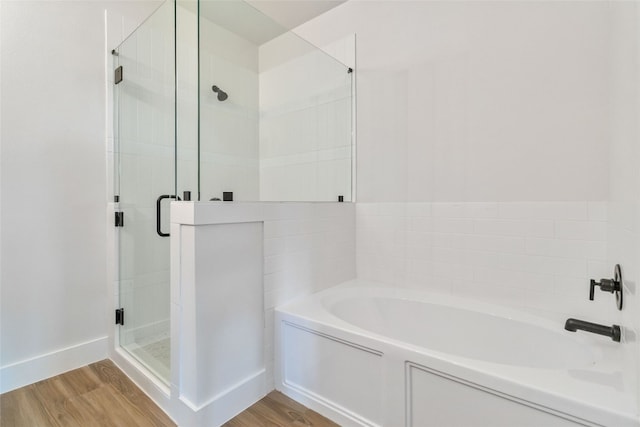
(145, 151)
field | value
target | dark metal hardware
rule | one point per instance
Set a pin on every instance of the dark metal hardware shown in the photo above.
(186, 196)
(606, 285)
(350, 70)
(119, 218)
(222, 95)
(116, 199)
(119, 316)
(612, 332)
(609, 285)
(159, 214)
(118, 75)
(227, 196)
(341, 198)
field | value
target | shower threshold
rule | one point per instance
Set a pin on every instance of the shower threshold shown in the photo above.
(154, 353)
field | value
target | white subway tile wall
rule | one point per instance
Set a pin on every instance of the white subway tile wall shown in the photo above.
(537, 256)
(228, 130)
(307, 247)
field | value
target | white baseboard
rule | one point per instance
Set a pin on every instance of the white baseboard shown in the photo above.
(228, 403)
(322, 406)
(48, 365)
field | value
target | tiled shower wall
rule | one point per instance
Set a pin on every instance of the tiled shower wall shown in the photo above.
(277, 137)
(228, 129)
(537, 256)
(228, 149)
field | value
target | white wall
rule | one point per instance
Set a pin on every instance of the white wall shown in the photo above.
(53, 184)
(477, 101)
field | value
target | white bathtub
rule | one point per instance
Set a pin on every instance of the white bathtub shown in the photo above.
(363, 354)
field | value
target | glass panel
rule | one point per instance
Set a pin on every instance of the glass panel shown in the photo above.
(187, 97)
(145, 146)
(275, 111)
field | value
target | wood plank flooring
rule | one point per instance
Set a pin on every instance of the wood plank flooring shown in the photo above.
(95, 395)
(101, 395)
(277, 410)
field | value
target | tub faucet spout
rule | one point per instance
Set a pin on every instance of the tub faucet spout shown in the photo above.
(612, 332)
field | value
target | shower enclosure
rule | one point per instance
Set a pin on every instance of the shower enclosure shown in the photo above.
(215, 99)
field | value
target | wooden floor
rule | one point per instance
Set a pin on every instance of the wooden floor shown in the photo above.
(101, 395)
(95, 395)
(277, 410)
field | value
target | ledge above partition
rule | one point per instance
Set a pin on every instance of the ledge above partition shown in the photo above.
(202, 213)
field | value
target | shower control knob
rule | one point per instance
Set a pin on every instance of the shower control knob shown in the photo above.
(606, 285)
(609, 285)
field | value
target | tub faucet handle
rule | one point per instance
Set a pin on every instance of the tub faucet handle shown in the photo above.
(606, 285)
(609, 285)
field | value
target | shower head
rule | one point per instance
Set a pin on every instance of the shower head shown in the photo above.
(222, 95)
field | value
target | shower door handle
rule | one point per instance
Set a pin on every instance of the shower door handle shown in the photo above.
(159, 215)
